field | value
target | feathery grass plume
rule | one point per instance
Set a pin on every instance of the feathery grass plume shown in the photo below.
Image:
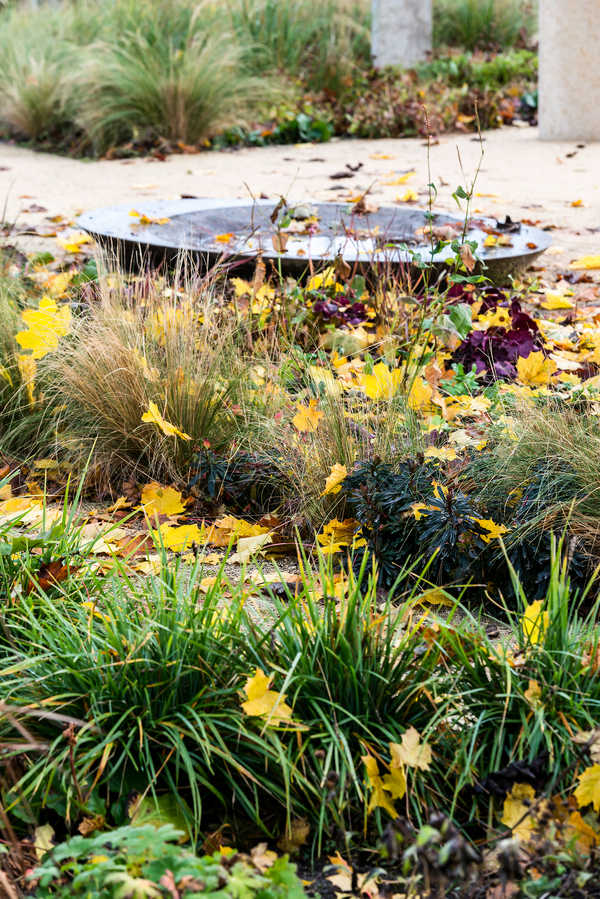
(177, 75)
(159, 341)
(36, 71)
(546, 458)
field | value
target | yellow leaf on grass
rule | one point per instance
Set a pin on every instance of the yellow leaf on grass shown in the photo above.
(383, 383)
(412, 751)
(535, 622)
(263, 858)
(533, 694)
(494, 531)
(16, 505)
(46, 325)
(588, 790)
(333, 482)
(420, 394)
(556, 301)
(435, 596)
(307, 418)
(395, 781)
(585, 262)
(443, 453)
(157, 500)
(516, 811)
(181, 537)
(379, 797)
(262, 702)
(154, 417)
(535, 369)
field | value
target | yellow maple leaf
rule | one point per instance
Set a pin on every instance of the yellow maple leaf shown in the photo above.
(158, 500)
(46, 325)
(516, 811)
(411, 752)
(262, 702)
(535, 622)
(420, 394)
(443, 453)
(307, 418)
(178, 538)
(535, 369)
(381, 384)
(395, 782)
(153, 416)
(326, 278)
(585, 262)
(497, 318)
(379, 797)
(224, 238)
(494, 531)
(333, 482)
(338, 533)
(588, 790)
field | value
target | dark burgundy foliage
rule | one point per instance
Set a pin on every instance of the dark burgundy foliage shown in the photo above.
(497, 350)
(340, 310)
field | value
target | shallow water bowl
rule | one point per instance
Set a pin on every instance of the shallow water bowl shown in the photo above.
(238, 231)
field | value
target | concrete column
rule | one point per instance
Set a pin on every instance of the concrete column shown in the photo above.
(569, 81)
(400, 31)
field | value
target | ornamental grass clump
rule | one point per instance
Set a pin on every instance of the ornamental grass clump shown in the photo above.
(147, 376)
(180, 79)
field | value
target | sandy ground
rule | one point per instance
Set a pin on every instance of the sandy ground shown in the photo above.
(520, 176)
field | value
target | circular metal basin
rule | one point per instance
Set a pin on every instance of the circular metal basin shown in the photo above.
(215, 231)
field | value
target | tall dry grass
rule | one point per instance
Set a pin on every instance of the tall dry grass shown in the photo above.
(160, 343)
